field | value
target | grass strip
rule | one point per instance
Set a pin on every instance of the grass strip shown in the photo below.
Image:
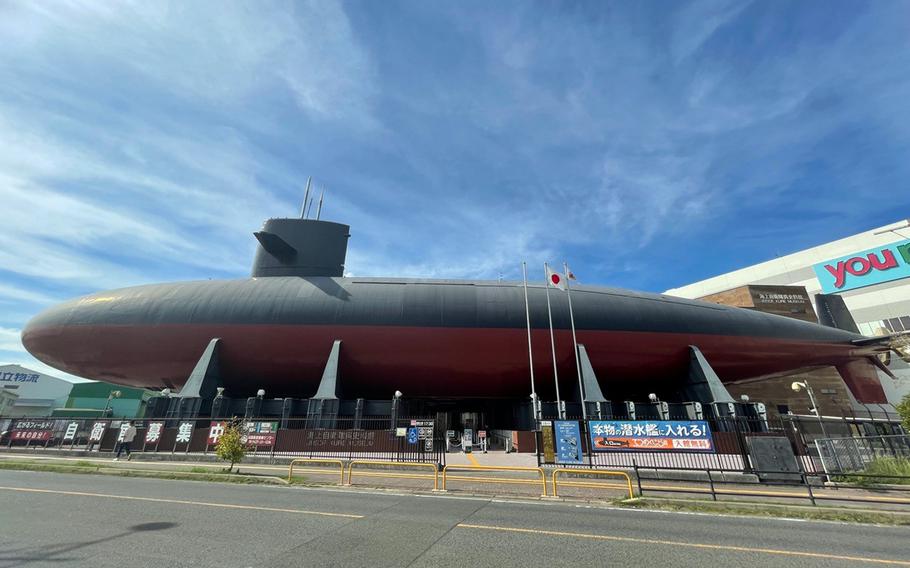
(755, 509)
(92, 468)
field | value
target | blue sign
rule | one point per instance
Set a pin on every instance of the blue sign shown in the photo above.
(568, 442)
(650, 435)
(872, 266)
(412, 435)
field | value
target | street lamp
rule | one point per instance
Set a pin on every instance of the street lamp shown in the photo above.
(260, 393)
(798, 386)
(396, 397)
(111, 395)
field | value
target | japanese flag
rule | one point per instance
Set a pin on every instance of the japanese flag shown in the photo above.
(556, 279)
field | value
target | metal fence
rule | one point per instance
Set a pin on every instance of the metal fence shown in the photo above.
(404, 439)
(736, 443)
(845, 455)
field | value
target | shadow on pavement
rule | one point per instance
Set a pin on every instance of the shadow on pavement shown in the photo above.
(27, 555)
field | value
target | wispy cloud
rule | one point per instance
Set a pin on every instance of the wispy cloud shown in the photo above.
(145, 141)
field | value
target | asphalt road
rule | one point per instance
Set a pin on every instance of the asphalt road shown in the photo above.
(49, 519)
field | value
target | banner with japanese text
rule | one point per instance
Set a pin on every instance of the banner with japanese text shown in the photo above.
(260, 433)
(650, 435)
(38, 430)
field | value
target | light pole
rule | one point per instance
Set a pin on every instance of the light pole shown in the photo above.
(798, 386)
(396, 398)
(661, 412)
(111, 395)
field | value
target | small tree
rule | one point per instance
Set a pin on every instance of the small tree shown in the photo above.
(903, 408)
(230, 446)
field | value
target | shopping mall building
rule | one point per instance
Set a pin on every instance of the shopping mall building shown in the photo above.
(870, 271)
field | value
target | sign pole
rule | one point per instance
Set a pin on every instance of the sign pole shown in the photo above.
(559, 412)
(534, 406)
(581, 388)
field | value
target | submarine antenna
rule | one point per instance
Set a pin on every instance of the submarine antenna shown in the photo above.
(309, 206)
(306, 196)
(319, 209)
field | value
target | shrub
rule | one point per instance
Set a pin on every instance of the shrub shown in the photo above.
(230, 446)
(903, 408)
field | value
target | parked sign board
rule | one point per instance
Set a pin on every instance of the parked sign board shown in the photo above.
(568, 442)
(650, 435)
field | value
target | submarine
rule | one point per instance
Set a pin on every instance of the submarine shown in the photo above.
(280, 329)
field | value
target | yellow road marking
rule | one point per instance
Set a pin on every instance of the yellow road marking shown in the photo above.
(472, 459)
(182, 502)
(689, 544)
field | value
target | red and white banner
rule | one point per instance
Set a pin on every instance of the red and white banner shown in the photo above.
(39, 435)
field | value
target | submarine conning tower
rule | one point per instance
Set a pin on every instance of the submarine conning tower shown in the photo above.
(300, 247)
(303, 246)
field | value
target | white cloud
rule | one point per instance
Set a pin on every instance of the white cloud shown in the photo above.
(9, 339)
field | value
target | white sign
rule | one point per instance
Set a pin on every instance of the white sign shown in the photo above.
(153, 434)
(184, 432)
(97, 432)
(71, 430)
(123, 428)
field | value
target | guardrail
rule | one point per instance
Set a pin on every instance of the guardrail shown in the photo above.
(339, 463)
(556, 473)
(445, 470)
(802, 487)
(432, 466)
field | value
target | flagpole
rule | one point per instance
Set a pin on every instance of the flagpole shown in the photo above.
(524, 271)
(546, 272)
(581, 389)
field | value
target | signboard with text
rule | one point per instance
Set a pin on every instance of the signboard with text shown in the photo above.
(549, 447)
(216, 430)
(568, 442)
(184, 434)
(865, 268)
(32, 430)
(153, 432)
(97, 431)
(19, 377)
(72, 429)
(260, 433)
(650, 435)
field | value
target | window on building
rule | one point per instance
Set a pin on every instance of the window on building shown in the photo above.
(783, 409)
(894, 324)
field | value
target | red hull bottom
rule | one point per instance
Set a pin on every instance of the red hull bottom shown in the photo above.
(288, 360)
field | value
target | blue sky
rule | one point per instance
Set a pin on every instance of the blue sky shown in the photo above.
(650, 144)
